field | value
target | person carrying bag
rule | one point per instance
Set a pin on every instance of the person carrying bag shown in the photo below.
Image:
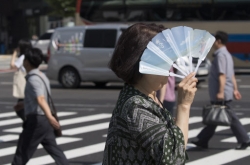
(223, 89)
(57, 132)
(41, 124)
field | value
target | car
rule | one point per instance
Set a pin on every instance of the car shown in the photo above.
(43, 43)
(82, 53)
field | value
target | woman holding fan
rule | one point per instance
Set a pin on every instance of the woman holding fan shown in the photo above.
(141, 130)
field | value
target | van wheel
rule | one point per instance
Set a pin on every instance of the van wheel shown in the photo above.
(100, 84)
(69, 78)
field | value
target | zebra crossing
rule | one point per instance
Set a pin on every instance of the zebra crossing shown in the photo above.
(78, 131)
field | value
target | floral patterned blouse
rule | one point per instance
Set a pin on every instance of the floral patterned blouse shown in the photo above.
(142, 133)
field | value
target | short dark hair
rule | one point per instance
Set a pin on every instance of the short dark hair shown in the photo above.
(129, 49)
(220, 35)
(34, 56)
(24, 45)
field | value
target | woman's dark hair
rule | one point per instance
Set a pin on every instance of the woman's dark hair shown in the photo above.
(220, 35)
(129, 49)
(24, 45)
(34, 56)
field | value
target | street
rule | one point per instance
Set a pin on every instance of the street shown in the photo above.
(84, 115)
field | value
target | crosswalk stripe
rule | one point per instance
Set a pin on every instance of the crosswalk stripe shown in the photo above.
(86, 129)
(194, 132)
(7, 138)
(99, 147)
(60, 141)
(222, 157)
(72, 121)
(7, 114)
(84, 119)
(195, 119)
(70, 154)
(18, 120)
(232, 139)
(10, 121)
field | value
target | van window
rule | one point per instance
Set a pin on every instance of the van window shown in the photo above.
(46, 36)
(100, 38)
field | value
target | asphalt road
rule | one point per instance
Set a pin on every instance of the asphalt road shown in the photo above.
(85, 114)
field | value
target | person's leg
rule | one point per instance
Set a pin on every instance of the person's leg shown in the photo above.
(237, 128)
(28, 141)
(169, 106)
(207, 133)
(50, 145)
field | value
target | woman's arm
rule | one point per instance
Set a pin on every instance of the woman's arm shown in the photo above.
(13, 59)
(186, 93)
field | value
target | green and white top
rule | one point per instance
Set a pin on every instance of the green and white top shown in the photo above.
(142, 133)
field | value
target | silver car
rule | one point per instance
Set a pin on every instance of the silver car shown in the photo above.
(43, 43)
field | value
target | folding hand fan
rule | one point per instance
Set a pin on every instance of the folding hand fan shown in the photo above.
(176, 38)
(189, 36)
(169, 45)
(204, 47)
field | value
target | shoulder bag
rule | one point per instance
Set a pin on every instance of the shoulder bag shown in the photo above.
(19, 84)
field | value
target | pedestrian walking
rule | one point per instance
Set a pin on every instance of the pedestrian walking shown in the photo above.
(19, 76)
(141, 131)
(39, 123)
(222, 89)
(167, 94)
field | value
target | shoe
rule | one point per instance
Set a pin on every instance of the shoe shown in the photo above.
(198, 143)
(242, 146)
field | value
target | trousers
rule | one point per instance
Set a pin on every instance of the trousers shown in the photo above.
(37, 130)
(238, 130)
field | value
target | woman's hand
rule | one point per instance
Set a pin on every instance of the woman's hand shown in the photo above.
(186, 90)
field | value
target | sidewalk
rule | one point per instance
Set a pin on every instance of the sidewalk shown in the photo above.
(5, 64)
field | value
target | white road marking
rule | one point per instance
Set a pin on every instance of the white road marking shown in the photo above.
(232, 139)
(222, 157)
(59, 141)
(86, 129)
(67, 122)
(194, 132)
(7, 138)
(80, 109)
(18, 120)
(70, 154)
(7, 114)
(195, 119)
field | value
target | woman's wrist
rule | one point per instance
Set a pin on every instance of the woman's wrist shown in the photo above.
(183, 107)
